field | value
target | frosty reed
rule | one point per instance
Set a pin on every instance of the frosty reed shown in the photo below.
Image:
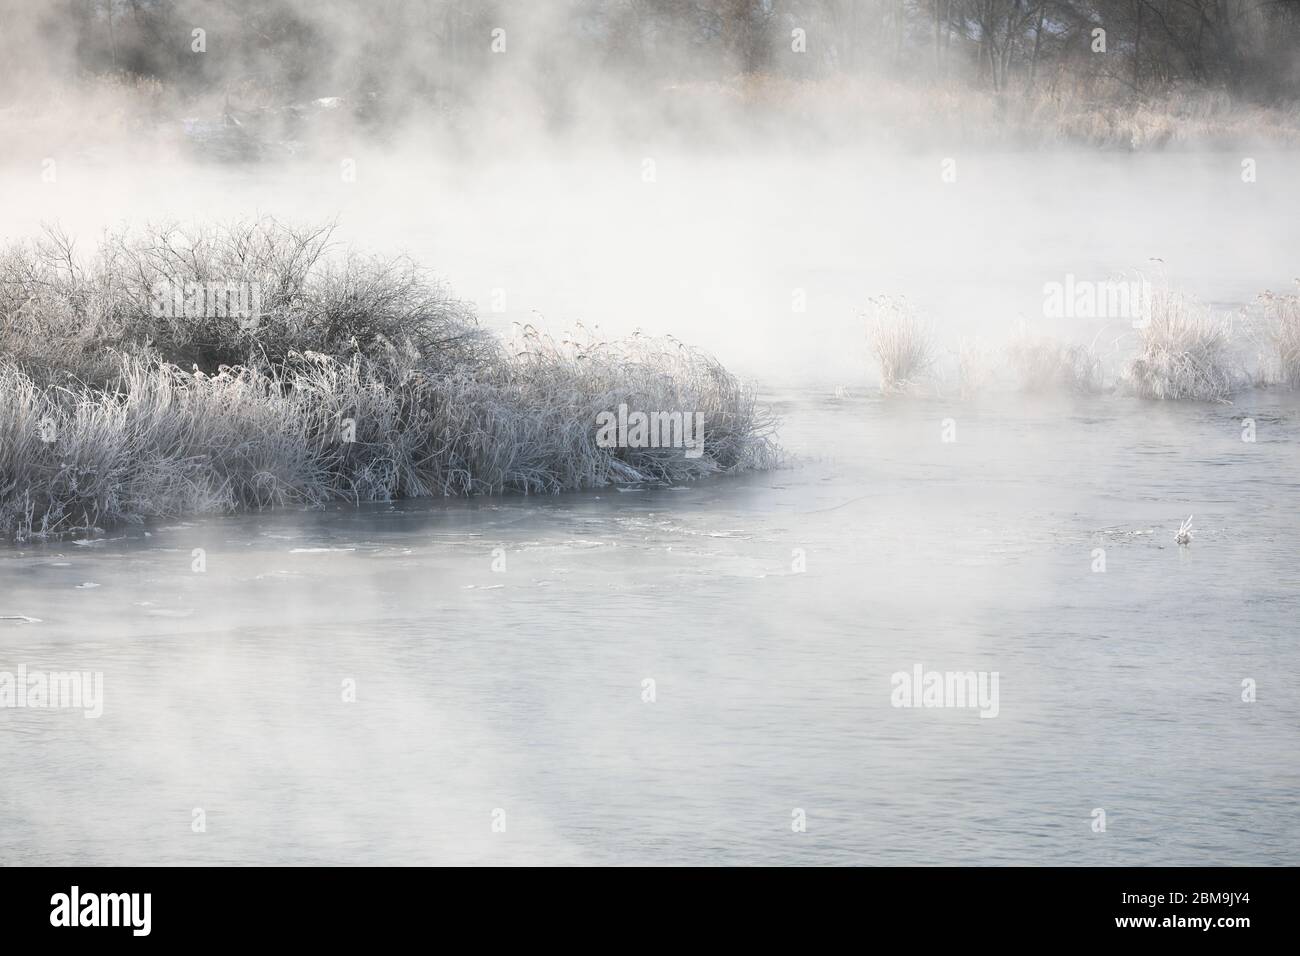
(299, 373)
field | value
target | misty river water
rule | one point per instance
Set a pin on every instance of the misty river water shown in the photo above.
(499, 647)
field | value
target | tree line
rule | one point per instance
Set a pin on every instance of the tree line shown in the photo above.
(1249, 48)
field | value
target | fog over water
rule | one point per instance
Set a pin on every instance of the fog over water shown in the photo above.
(649, 674)
(718, 248)
(522, 690)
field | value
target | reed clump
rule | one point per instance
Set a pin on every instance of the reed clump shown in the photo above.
(902, 342)
(1282, 334)
(1045, 364)
(358, 380)
(1183, 353)
(975, 367)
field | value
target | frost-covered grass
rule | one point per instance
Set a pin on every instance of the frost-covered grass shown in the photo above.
(975, 367)
(1183, 353)
(1045, 364)
(902, 342)
(360, 380)
(1282, 334)
(60, 312)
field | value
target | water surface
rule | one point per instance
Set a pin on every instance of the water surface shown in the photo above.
(522, 689)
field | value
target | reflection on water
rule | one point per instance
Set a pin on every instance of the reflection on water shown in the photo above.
(520, 688)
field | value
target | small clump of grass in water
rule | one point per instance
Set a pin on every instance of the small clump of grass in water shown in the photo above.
(902, 343)
(1045, 364)
(1282, 335)
(1182, 353)
(975, 365)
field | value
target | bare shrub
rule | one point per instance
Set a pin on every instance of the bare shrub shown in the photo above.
(59, 312)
